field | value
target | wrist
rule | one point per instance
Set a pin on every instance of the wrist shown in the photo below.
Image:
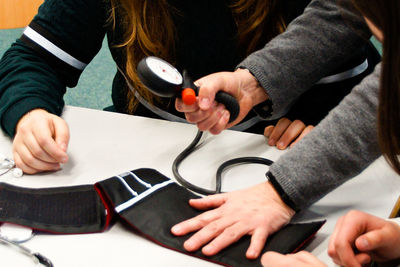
(26, 116)
(250, 85)
(279, 190)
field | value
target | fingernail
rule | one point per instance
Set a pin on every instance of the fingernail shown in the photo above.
(364, 243)
(189, 245)
(63, 146)
(204, 102)
(226, 115)
(176, 229)
(220, 111)
(280, 145)
(208, 250)
(271, 142)
(251, 254)
(64, 160)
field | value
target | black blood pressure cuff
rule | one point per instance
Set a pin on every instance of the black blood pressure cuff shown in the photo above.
(145, 200)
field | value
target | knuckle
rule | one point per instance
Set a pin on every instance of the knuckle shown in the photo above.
(354, 213)
(201, 222)
(37, 152)
(331, 252)
(379, 238)
(29, 160)
(190, 117)
(338, 245)
(42, 141)
(283, 120)
(215, 131)
(299, 122)
(202, 126)
(232, 234)
(213, 227)
(23, 129)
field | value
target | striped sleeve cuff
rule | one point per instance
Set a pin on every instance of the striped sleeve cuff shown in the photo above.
(66, 60)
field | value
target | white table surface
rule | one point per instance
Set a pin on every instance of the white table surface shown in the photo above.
(104, 144)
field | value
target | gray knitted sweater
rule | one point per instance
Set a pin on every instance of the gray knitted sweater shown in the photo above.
(345, 142)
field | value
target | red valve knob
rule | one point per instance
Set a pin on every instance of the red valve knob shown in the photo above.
(188, 96)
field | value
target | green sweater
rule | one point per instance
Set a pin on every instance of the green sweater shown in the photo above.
(65, 36)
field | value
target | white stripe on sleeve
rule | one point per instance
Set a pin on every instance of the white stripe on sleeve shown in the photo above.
(53, 49)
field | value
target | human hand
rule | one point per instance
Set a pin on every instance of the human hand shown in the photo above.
(40, 142)
(298, 259)
(285, 131)
(213, 117)
(257, 211)
(359, 238)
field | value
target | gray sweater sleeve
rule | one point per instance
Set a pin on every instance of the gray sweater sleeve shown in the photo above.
(311, 48)
(340, 147)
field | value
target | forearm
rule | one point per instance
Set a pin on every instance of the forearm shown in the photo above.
(342, 145)
(313, 46)
(51, 54)
(26, 83)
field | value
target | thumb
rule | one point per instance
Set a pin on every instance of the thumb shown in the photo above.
(370, 240)
(209, 86)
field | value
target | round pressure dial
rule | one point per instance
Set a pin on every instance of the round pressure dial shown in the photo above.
(159, 76)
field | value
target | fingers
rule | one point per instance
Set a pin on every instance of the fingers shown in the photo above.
(303, 133)
(221, 124)
(216, 122)
(257, 243)
(215, 119)
(278, 130)
(288, 135)
(342, 244)
(203, 219)
(210, 85)
(285, 132)
(20, 164)
(208, 202)
(182, 107)
(376, 239)
(224, 234)
(195, 224)
(46, 139)
(28, 163)
(32, 145)
(40, 142)
(219, 232)
(206, 113)
(257, 211)
(275, 259)
(268, 130)
(299, 259)
(61, 135)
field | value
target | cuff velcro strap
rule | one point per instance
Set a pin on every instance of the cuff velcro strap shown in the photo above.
(75, 209)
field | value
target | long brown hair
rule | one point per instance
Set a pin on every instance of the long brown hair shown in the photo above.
(385, 15)
(149, 30)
